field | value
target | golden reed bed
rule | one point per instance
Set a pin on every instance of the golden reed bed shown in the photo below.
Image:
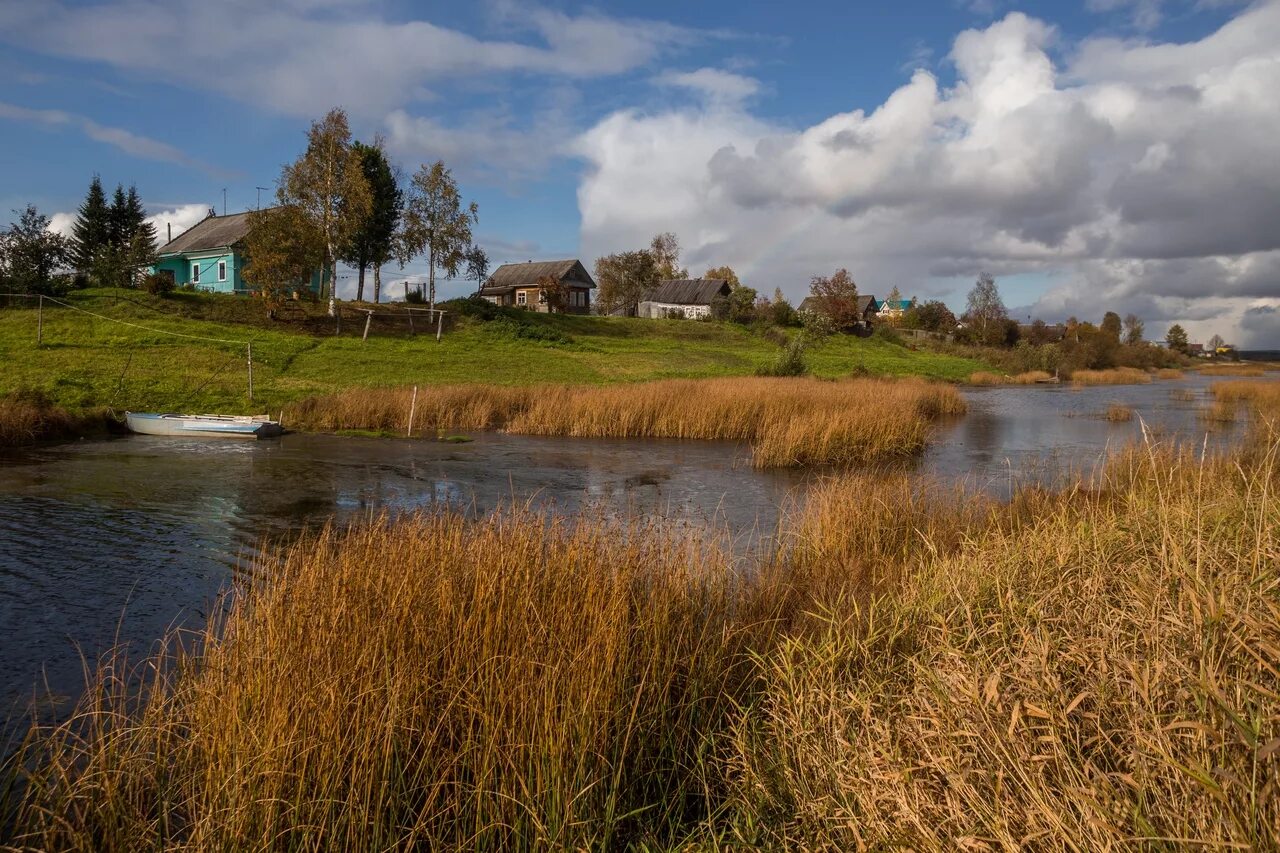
(1031, 377)
(1088, 670)
(788, 422)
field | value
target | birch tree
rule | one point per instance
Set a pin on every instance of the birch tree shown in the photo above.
(436, 223)
(328, 187)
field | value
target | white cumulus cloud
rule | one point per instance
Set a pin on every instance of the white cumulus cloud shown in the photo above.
(1133, 175)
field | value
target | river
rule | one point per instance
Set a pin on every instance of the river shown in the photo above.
(117, 541)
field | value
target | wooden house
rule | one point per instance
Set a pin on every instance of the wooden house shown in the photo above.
(689, 298)
(210, 255)
(522, 285)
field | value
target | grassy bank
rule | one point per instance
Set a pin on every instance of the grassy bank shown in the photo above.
(88, 362)
(789, 422)
(1088, 670)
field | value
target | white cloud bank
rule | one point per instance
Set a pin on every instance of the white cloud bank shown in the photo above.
(1138, 176)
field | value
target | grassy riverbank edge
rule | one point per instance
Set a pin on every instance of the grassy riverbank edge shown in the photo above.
(1093, 668)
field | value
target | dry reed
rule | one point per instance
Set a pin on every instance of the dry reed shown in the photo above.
(789, 422)
(1169, 373)
(1233, 370)
(1117, 413)
(1030, 377)
(27, 418)
(1112, 376)
(1088, 670)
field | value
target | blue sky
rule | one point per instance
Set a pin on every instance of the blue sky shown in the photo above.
(1063, 146)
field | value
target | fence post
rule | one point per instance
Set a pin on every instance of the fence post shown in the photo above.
(439, 324)
(40, 322)
(413, 405)
(367, 320)
(249, 347)
(412, 333)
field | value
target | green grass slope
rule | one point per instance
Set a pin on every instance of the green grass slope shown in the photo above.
(88, 361)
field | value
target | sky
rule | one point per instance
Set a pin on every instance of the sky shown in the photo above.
(1097, 155)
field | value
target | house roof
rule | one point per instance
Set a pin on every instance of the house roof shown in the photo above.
(510, 276)
(896, 304)
(865, 302)
(688, 291)
(212, 232)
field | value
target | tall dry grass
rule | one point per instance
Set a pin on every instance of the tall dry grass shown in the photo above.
(1169, 373)
(1030, 377)
(1111, 376)
(789, 422)
(28, 417)
(1117, 413)
(1233, 370)
(1095, 669)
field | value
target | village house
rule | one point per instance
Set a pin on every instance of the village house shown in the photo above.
(521, 285)
(892, 309)
(868, 308)
(210, 255)
(688, 298)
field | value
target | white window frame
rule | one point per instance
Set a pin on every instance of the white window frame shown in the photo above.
(522, 297)
(195, 272)
(222, 270)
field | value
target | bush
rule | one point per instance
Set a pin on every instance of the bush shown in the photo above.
(415, 297)
(885, 332)
(473, 306)
(157, 283)
(790, 362)
(508, 327)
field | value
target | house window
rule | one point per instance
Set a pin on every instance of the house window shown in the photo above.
(195, 273)
(522, 298)
(222, 270)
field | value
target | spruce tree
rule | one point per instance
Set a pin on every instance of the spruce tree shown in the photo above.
(90, 233)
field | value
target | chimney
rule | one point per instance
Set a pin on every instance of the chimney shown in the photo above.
(169, 227)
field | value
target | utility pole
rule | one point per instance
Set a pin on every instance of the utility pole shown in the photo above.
(224, 201)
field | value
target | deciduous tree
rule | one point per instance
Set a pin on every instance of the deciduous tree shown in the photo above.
(30, 253)
(284, 248)
(1112, 325)
(326, 186)
(553, 293)
(437, 223)
(724, 272)
(623, 279)
(477, 266)
(1215, 342)
(835, 298)
(1133, 327)
(932, 316)
(985, 311)
(665, 248)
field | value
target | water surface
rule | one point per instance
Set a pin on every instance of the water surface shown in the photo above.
(119, 540)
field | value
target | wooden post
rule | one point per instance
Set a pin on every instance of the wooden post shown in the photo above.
(367, 321)
(249, 347)
(40, 322)
(338, 315)
(439, 324)
(413, 406)
(411, 331)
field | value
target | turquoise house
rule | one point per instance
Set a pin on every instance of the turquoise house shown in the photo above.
(211, 256)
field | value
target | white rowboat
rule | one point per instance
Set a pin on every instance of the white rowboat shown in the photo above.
(203, 426)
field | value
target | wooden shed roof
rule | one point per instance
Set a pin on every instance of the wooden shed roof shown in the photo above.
(509, 276)
(688, 291)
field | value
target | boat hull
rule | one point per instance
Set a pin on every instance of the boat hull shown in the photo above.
(201, 426)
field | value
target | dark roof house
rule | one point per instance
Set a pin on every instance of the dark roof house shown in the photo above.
(868, 307)
(519, 285)
(688, 297)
